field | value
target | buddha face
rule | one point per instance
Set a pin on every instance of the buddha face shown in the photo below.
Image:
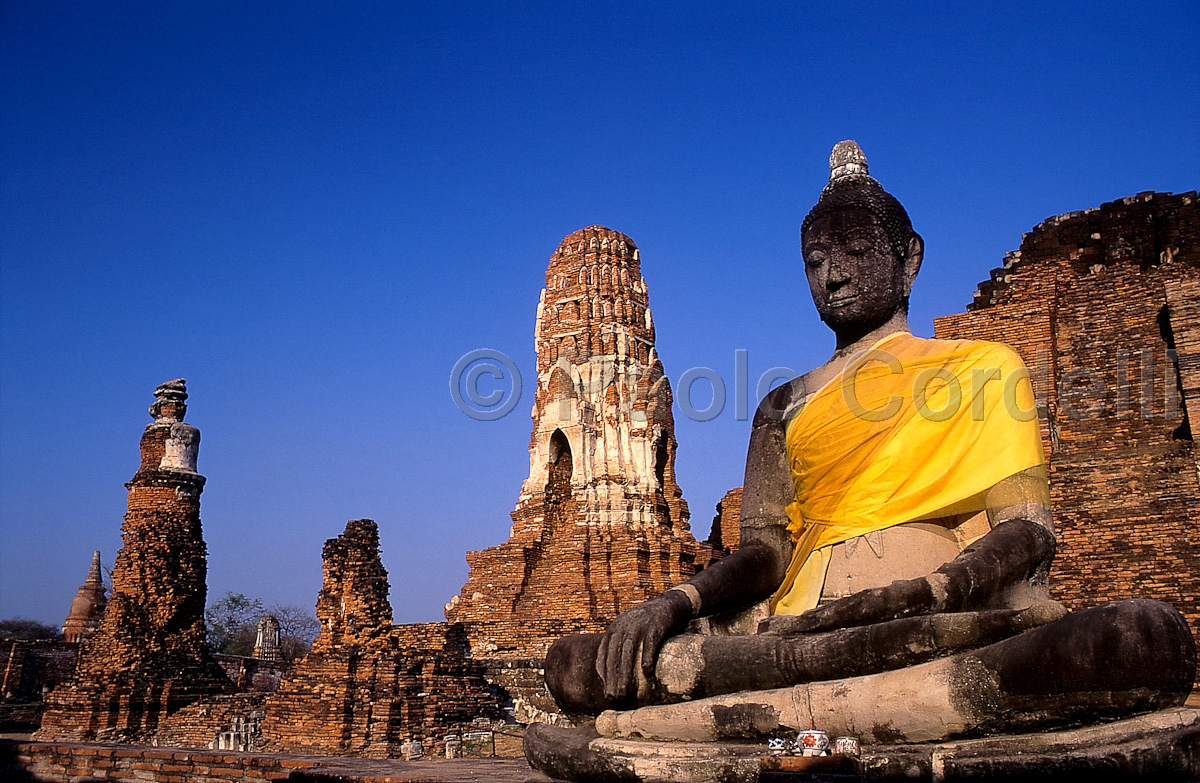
(857, 280)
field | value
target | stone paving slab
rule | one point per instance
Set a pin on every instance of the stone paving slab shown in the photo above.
(497, 770)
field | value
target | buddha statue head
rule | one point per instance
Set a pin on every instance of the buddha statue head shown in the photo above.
(861, 254)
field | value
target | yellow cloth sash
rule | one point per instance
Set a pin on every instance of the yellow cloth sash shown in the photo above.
(911, 429)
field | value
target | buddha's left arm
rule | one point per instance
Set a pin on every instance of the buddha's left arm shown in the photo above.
(1025, 495)
(1006, 568)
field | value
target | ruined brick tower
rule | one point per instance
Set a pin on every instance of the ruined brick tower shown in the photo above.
(600, 524)
(88, 606)
(367, 687)
(1104, 307)
(148, 658)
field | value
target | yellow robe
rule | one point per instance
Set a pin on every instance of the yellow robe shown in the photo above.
(912, 429)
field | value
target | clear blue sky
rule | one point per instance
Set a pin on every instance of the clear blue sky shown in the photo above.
(310, 211)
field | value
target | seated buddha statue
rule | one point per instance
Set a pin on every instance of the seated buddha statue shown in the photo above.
(896, 540)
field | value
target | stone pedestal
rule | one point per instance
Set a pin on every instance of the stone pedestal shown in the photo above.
(1160, 746)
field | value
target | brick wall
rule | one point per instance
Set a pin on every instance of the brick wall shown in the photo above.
(252, 674)
(726, 532)
(75, 763)
(199, 724)
(1104, 306)
(29, 667)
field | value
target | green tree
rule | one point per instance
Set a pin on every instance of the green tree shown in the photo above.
(232, 626)
(26, 630)
(229, 620)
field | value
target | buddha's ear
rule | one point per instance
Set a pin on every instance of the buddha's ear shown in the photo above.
(912, 262)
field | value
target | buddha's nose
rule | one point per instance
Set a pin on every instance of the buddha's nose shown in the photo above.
(838, 277)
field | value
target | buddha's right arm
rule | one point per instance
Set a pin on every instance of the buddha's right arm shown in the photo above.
(746, 576)
(757, 568)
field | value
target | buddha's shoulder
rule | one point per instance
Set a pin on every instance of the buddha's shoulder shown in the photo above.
(783, 402)
(975, 350)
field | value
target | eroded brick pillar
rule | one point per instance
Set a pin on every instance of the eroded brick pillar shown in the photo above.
(148, 658)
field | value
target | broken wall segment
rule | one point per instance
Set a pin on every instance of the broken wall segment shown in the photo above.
(368, 687)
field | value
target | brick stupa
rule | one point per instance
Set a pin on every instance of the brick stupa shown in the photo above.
(148, 657)
(600, 524)
(88, 606)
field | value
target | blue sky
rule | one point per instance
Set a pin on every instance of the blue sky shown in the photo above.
(311, 211)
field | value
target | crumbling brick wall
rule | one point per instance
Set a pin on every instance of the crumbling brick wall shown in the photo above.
(1104, 307)
(29, 668)
(726, 531)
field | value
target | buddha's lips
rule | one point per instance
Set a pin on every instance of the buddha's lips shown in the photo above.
(840, 301)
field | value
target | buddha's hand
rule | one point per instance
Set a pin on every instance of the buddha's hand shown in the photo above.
(634, 639)
(902, 598)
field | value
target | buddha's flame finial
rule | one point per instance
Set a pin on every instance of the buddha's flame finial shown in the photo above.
(847, 160)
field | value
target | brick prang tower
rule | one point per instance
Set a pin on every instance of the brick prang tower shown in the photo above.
(600, 524)
(148, 658)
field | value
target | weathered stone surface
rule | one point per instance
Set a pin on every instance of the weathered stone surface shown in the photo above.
(1104, 307)
(148, 658)
(1082, 668)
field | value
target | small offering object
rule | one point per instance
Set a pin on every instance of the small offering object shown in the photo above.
(846, 746)
(777, 746)
(812, 742)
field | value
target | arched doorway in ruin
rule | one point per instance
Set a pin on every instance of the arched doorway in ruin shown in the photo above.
(661, 457)
(558, 480)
